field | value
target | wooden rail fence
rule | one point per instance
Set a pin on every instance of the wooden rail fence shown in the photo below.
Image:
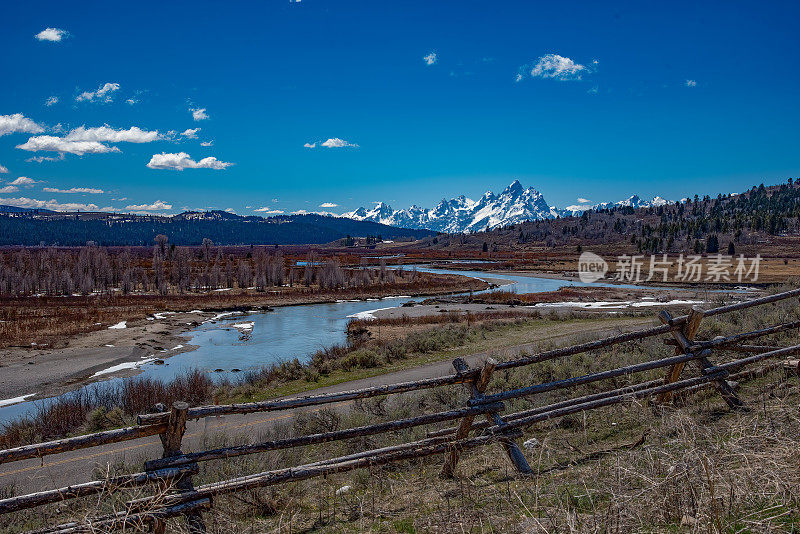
(171, 475)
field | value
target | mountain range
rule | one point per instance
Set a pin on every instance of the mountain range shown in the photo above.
(515, 204)
(19, 226)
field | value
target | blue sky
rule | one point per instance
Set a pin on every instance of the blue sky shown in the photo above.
(597, 100)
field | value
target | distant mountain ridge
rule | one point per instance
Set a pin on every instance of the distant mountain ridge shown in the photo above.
(515, 204)
(15, 209)
(34, 227)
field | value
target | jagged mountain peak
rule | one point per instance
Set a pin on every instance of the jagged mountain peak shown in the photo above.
(513, 188)
(514, 204)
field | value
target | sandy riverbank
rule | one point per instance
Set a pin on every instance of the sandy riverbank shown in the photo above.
(115, 350)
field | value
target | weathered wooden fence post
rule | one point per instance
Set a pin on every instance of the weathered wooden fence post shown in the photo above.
(171, 440)
(476, 390)
(684, 337)
(689, 331)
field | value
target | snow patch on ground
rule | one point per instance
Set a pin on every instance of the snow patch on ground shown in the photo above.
(368, 314)
(614, 304)
(676, 302)
(244, 326)
(123, 366)
(120, 325)
(15, 400)
(220, 316)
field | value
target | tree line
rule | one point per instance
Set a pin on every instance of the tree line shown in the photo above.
(171, 269)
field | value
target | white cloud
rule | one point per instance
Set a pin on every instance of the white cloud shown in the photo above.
(51, 101)
(199, 114)
(3, 170)
(337, 143)
(190, 133)
(230, 210)
(334, 142)
(691, 83)
(53, 35)
(268, 211)
(104, 93)
(207, 143)
(328, 205)
(23, 202)
(430, 59)
(306, 212)
(39, 159)
(24, 181)
(518, 77)
(18, 123)
(9, 189)
(583, 200)
(557, 67)
(594, 90)
(182, 160)
(134, 134)
(49, 143)
(157, 205)
(83, 190)
(131, 101)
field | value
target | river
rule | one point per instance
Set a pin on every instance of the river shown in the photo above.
(288, 332)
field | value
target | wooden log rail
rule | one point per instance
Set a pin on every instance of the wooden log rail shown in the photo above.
(535, 416)
(312, 400)
(409, 451)
(569, 402)
(13, 504)
(684, 338)
(530, 417)
(304, 472)
(476, 391)
(80, 442)
(589, 378)
(324, 437)
(174, 470)
(725, 342)
(123, 519)
(738, 364)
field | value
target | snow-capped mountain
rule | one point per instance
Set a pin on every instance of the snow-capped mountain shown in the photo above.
(633, 201)
(515, 204)
(461, 214)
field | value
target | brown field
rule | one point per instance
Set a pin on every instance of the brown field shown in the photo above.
(49, 320)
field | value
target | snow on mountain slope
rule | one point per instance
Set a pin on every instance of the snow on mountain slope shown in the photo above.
(515, 204)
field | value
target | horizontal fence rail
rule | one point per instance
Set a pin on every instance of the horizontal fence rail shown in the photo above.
(170, 476)
(80, 442)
